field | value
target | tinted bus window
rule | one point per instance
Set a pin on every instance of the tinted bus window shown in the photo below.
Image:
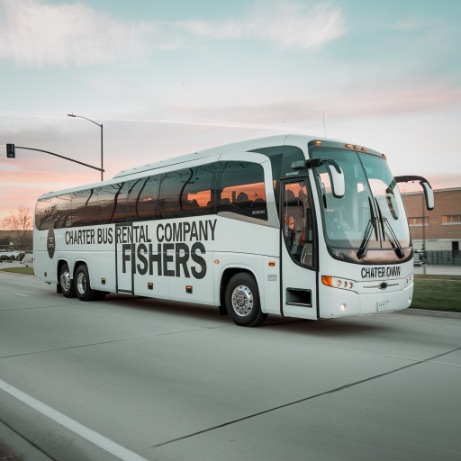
(148, 199)
(80, 214)
(120, 202)
(135, 188)
(107, 201)
(45, 214)
(92, 210)
(241, 189)
(170, 190)
(281, 158)
(63, 205)
(198, 194)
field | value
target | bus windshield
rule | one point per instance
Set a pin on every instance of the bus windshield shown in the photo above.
(368, 224)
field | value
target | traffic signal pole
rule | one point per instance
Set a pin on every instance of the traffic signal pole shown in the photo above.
(11, 148)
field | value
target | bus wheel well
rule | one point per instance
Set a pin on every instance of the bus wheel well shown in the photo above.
(61, 263)
(227, 275)
(78, 264)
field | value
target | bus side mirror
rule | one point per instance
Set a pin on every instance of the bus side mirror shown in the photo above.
(335, 173)
(428, 192)
(428, 195)
(338, 183)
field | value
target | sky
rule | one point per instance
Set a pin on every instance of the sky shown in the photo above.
(171, 78)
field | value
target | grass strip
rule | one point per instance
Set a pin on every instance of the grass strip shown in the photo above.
(20, 270)
(437, 292)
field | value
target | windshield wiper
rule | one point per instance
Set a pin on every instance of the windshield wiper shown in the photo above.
(361, 253)
(389, 233)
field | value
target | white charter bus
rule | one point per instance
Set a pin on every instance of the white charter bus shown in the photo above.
(288, 225)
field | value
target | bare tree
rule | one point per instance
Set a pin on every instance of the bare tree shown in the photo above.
(20, 223)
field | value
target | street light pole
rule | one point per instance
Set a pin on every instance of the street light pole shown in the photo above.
(102, 140)
(424, 235)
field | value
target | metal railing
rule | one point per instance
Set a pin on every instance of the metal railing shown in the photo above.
(443, 258)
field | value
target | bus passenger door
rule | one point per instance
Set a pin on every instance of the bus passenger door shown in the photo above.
(124, 258)
(298, 251)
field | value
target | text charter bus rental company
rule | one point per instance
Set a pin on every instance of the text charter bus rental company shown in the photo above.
(285, 225)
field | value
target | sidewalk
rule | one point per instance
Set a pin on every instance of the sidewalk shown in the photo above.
(428, 269)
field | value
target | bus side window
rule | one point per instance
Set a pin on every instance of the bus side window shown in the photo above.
(81, 212)
(107, 196)
(63, 215)
(170, 190)
(241, 189)
(134, 191)
(45, 213)
(120, 202)
(148, 197)
(197, 197)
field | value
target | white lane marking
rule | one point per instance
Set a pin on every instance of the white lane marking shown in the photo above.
(21, 294)
(74, 426)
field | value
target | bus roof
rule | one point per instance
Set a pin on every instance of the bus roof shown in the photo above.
(297, 140)
(242, 146)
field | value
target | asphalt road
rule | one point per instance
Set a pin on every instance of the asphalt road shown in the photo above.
(137, 379)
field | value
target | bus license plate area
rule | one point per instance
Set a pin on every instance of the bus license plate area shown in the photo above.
(383, 305)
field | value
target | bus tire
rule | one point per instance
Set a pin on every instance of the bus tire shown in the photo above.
(65, 282)
(82, 286)
(242, 301)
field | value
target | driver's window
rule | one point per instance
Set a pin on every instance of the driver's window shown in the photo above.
(297, 225)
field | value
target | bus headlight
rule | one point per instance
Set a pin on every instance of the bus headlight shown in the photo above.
(336, 282)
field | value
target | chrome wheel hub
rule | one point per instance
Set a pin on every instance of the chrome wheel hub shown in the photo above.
(81, 283)
(242, 300)
(65, 281)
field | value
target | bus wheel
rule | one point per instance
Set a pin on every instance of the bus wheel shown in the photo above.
(82, 284)
(242, 301)
(67, 287)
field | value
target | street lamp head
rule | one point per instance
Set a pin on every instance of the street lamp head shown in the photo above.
(100, 126)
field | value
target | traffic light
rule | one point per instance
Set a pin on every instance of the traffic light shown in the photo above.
(10, 151)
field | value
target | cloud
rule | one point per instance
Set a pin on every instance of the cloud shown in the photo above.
(38, 34)
(4, 167)
(399, 98)
(285, 23)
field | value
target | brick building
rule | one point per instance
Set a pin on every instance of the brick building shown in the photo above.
(440, 228)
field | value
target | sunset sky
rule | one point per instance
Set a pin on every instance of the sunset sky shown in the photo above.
(172, 77)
